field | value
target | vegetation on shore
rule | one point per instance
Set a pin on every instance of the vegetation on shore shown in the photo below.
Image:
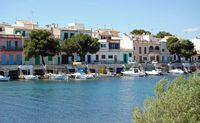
(41, 43)
(80, 44)
(182, 48)
(175, 102)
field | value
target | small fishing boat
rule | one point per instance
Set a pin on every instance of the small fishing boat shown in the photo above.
(133, 72)
(4, 78)
(30, 77)
(57, 76)
(154, 72)
(176, 71)
(81, 76)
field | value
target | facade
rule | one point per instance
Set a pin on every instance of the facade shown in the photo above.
(196, 42)
(65, 33)
(11, 49)
(166, 57)
(110, 50)
(145, 47)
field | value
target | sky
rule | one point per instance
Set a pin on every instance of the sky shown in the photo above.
(179, 17)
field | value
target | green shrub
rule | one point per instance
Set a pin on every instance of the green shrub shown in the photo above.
(175, 102)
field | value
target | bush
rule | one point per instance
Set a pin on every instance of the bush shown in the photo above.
(177, 101)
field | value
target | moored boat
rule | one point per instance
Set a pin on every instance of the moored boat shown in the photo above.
(57, 77)
(133, 72)
(30, 77)
(154, 72)
(4, 78)
(81, 76)
(176, 71)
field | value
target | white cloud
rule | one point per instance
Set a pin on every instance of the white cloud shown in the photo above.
(194, 29)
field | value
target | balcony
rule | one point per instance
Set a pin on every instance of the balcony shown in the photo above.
(154, 51)
(3, 48)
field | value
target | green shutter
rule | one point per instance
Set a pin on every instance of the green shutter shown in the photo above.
(26, 59)
(50, 58)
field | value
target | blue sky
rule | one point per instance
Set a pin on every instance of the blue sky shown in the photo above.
(180, 17)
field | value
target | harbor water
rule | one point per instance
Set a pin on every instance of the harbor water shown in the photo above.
(105, 100)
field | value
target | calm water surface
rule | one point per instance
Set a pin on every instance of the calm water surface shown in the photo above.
(107, 100)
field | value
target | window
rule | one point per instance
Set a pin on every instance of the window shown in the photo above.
(1, 29)
(163, 50)
(130, 54)
(71, 35)
(151, 48)
(133, 48)
(114, 46)
(157, 48)
(26, 59)
(97, 57)
(16, 44)
(145, 50)
(50, 58)
(65, 36)
(110, 56)
(198, 57)
(103, 56)
(103, 45)
(140, 50)
(8, 44)
(134, 58)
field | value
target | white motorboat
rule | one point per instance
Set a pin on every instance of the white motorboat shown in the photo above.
(30, 77)
(133, 72)
(154, 72)
(57, 77)
(81, 76)
(4, 78)
(176, 71)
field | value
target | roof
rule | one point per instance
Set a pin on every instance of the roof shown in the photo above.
(26, 22)
(107, 32)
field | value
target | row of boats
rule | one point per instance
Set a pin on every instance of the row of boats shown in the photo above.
(138, 72)
(134, 71)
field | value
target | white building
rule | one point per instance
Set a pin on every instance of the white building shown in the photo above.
(196, 42)
(110, 48)
(166, 57)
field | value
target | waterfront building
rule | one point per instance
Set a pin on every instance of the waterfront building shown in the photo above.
(11, 49)
(64, 33)
(145, 47)
(196, 42)
(110, 49)
(166, 57)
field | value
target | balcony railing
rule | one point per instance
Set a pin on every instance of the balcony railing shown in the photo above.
(3, 48)
(154, 51)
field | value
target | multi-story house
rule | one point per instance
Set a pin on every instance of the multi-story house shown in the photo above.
(10, 49)
(145, 47)
(67, 32)
(110, 50)
(166, 57)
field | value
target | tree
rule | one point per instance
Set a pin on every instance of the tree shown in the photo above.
(175, 102)
(81, 44)
(174, 46)
(140, 32)
(162, 34)
(182, 48)
(41, 43)
(188, 49)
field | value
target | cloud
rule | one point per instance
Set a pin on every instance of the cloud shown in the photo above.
(194, 29)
